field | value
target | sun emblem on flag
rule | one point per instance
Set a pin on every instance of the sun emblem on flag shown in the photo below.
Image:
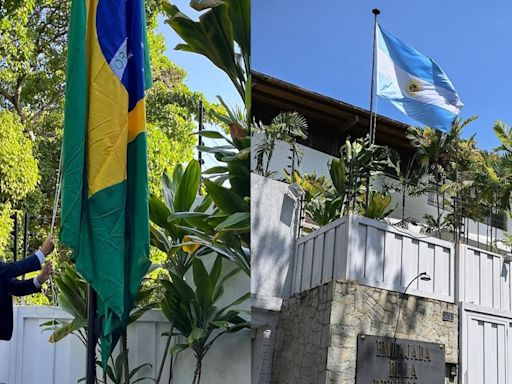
(413, 86)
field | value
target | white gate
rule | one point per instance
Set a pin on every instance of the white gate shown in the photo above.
(486, 345)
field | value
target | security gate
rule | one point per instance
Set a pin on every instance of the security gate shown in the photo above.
(486, 346)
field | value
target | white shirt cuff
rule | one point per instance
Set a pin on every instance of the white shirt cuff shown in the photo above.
(36, 283)
(40, 256)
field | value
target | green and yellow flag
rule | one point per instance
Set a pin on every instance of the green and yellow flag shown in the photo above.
(104, 186)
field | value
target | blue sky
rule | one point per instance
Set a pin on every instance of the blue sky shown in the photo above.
(202, 75)
(326, 46)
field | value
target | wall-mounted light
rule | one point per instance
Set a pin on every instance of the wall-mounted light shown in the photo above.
(424, 276)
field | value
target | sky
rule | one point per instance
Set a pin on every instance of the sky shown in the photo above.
(326, 46)
(202, 75)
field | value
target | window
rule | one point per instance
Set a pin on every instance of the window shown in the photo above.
(432, 200)
(497, 220)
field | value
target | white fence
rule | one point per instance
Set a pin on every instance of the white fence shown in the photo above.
(484, 279)
(29, 358)
(486, 347)
(375, 254)
(485, 296)
(379, 255)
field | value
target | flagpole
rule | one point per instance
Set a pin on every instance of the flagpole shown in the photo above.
(92, 336)
(200, 140)
(375, 12)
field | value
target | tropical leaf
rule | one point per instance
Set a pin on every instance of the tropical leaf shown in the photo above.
(188, 187)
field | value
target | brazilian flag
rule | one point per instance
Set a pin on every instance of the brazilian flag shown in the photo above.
(105, 218)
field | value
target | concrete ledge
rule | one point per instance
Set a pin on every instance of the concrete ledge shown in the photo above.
(267, 303)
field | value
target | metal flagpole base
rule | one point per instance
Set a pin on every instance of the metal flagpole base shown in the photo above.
(92, 337)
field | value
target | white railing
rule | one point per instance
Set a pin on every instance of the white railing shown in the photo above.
(484, 279)
(376, 254)
(30, 358)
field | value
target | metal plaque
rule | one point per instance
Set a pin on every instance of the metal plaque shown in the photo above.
(448, 316)
(387, 360)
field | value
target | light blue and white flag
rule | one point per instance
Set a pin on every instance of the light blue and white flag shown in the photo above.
(414, 83)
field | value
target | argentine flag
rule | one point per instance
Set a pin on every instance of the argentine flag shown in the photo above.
(414, 83)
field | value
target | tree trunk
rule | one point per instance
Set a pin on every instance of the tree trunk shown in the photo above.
(269, 158)
(164, 357)
(367, 197)
(197, 372)
(403, 202)
(438, 207)
(171, 369)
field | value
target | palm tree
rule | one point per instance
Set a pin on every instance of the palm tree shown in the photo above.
(286, 127)
(410, 182)
(435, 153)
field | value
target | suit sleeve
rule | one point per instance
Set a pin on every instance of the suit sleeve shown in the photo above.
(11, 270)
(21, 287)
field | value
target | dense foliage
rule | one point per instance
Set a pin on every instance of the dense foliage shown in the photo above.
(465, 183)
(33, 38)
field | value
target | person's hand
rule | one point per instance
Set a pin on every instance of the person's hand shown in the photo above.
(47, 246)
(46, 273)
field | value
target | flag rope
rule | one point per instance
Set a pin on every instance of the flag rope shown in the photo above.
(51, 281)
(52, 226)
(57, 193)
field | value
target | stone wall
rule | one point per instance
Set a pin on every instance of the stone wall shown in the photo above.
(316, 338)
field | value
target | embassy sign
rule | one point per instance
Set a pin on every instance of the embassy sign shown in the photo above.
(386, 360)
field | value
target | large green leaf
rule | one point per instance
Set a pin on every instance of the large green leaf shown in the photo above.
(212, 135)
(181, 288)
(240, 176)
(159, 239)
(212, 36)
(216, 271)
(195, 219)
(200, 5)
(215, 170)
(177, 348)
(240, 16)
(224, 198)
(169, 191)
(158, 212)
(204, 288)
(188, 187)
(338, 175)
(240, 300)
(238, 256)
(238, 221)
(67, 329)
(195, 335)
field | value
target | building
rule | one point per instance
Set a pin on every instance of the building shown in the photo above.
(328, 306)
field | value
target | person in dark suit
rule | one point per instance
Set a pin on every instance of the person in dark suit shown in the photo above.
(10, 286)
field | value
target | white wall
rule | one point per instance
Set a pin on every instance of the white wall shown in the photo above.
(313, 161)
(274, 218)
(376, 254)
(30, 358)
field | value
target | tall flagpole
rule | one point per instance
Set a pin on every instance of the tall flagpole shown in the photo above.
(375, 12)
